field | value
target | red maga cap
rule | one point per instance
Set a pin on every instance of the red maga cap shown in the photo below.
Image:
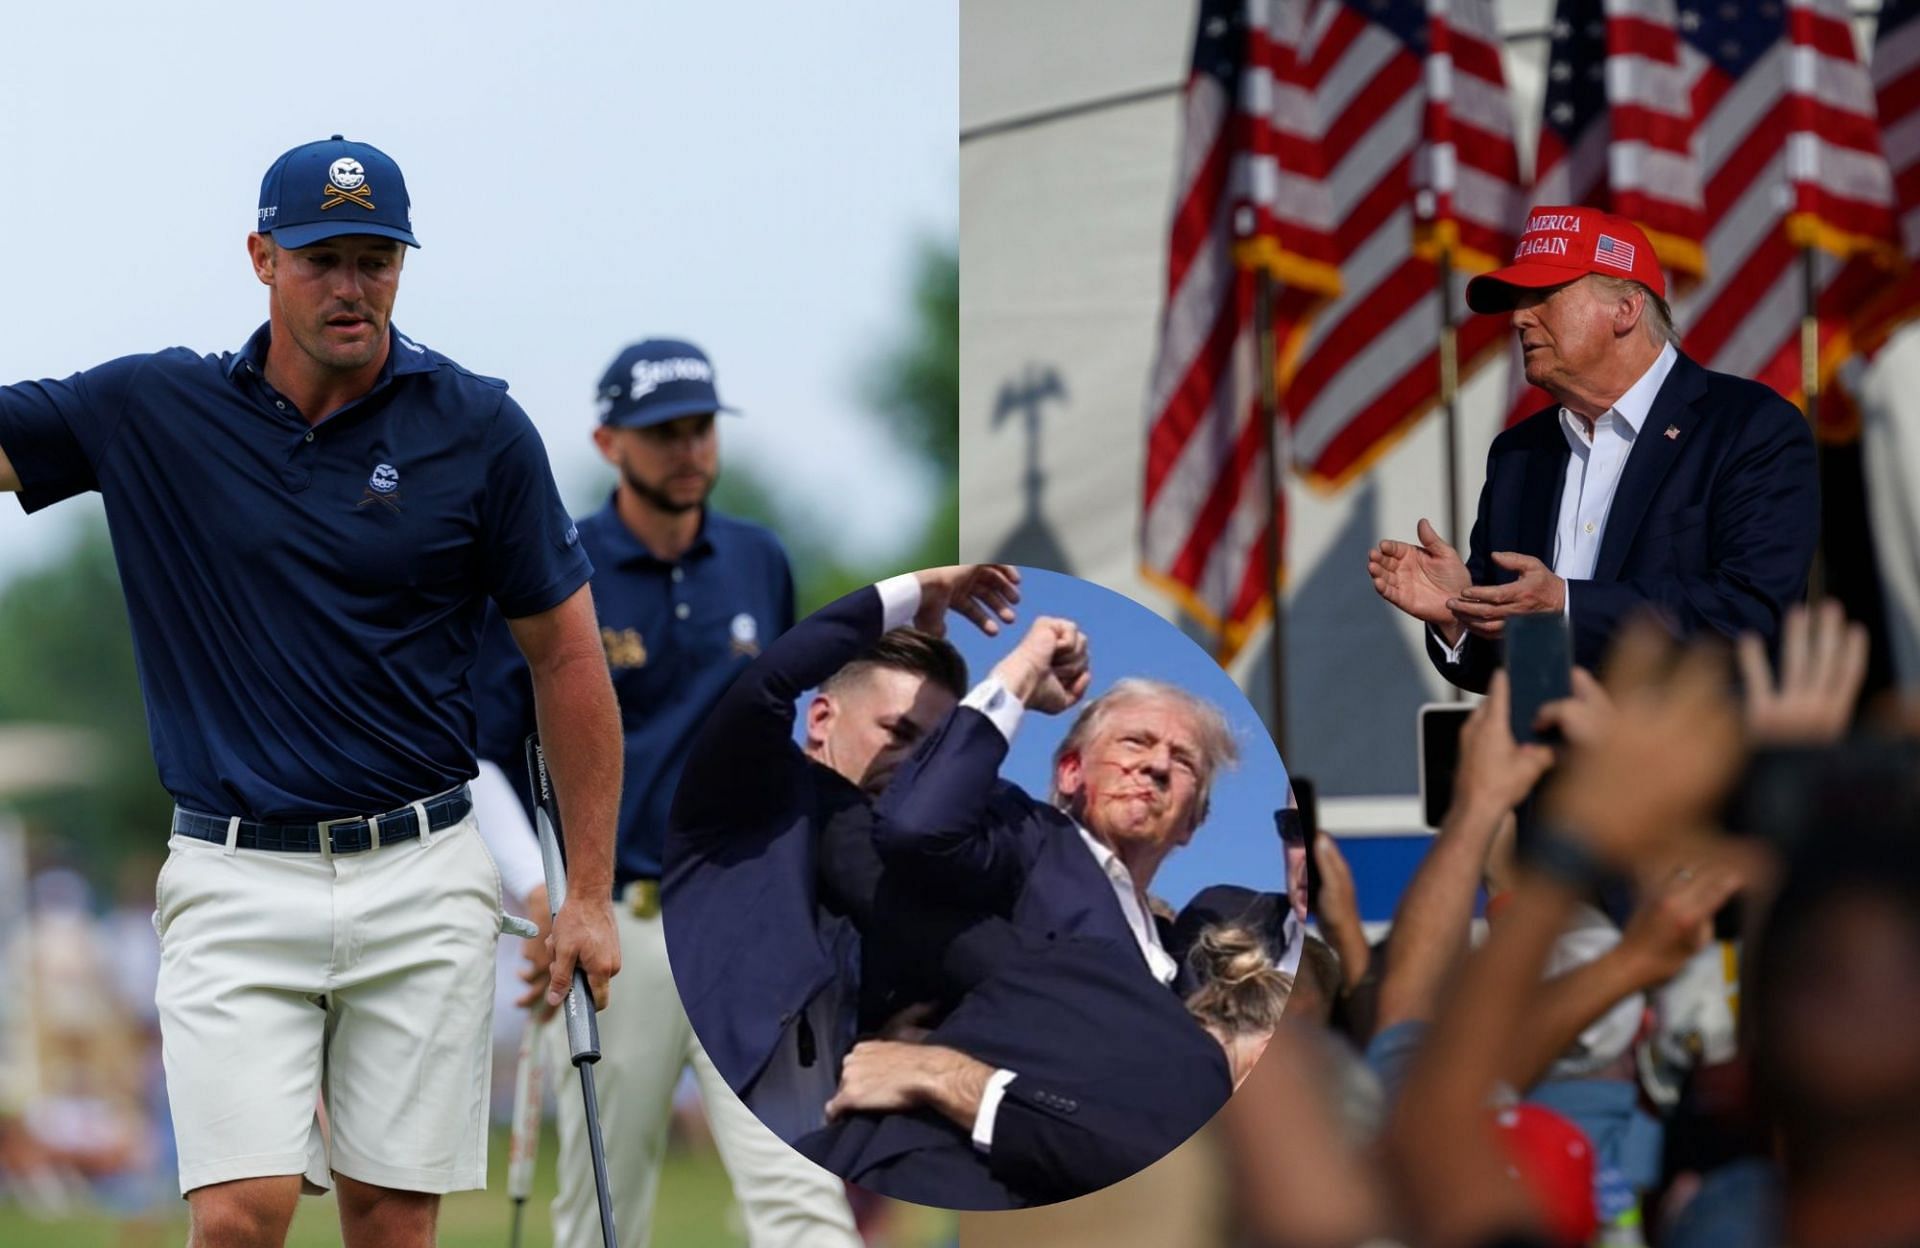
(1553, 1160)
(1563, 243)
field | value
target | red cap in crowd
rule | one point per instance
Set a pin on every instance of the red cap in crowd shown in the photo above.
(1554, 1161)
(1562, 243)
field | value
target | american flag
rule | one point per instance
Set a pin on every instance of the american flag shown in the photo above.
(1466, 171)
(1308, 127)
(1886, 305)
(1760, 72)
(1616, 133)
(1611, 251)
(1368, 361)
(1782, 145)
(1204, 511)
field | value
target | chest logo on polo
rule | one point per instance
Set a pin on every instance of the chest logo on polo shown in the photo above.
(624, 648)
(746, 635)
(383, 487)
(347, 183)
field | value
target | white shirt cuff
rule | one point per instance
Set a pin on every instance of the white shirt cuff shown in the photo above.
(992, 699)
(899, 601)
(1450, 652)
(1566, 602)
(990, 1109)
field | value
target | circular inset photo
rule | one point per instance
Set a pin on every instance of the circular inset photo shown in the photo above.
(976, 888)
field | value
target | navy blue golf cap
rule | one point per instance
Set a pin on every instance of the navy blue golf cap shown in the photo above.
(657, 380)
(333, 187)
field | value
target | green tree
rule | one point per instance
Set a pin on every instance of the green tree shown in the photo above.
(916, 390)
(66, 657)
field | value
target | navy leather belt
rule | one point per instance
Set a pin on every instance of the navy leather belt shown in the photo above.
(352, 834)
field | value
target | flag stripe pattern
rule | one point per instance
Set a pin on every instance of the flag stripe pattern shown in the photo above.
(1616, 133)
(1203, 426)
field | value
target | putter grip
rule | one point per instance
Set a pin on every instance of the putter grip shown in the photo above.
(583, 1025)
(583, 1021)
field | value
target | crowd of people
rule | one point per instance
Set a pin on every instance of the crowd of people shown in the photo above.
(83, 1107)
(1604, 1066)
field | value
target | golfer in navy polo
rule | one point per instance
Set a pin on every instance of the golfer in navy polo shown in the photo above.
(308, 531)
(686, 599)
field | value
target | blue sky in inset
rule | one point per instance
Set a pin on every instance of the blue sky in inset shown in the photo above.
(1238, 843)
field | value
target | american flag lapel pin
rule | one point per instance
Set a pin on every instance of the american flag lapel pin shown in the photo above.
(1673, 433)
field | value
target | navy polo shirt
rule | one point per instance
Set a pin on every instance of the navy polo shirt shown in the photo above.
(676, 634)
(306, 602)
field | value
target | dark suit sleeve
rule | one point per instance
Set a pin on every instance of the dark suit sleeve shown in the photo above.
(1763, 522)
(1050, 1146)
(946, 820)
(744, 757)
(1479, 656)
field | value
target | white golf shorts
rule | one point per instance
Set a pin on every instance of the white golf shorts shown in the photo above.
(361, 982)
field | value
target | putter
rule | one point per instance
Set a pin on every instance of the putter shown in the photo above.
(524, 1144)
(583, 1027)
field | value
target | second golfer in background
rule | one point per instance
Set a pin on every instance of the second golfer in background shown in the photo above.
(687, 597)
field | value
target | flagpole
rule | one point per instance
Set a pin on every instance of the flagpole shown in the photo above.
(1449, 393)
(1810, 386)
(1270, 425)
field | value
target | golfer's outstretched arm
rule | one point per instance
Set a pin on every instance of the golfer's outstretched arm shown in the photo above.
(9, 480)
(580, 731)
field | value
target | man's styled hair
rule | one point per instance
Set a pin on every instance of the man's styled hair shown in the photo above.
(906, 650)
(1655, 317)
(1218, 750)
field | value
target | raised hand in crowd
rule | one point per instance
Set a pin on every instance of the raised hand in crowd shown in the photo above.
(1421, 579)
(1048, 671)
(1673, 922)
(1584, 717)
(1430, 927)
(1823, 663)
(984, 593)
(1639, 792)
(1636, 795)
(1339, 913)
(1496, 772)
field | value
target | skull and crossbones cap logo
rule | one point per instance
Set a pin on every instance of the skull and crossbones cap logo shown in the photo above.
(333, 187)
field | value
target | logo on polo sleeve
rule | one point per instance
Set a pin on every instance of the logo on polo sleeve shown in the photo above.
(746, 635)
(382, 487)
(347, 183)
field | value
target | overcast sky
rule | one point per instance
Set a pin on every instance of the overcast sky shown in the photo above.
(754, 176)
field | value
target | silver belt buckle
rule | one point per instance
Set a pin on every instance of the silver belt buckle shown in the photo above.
(326, 831)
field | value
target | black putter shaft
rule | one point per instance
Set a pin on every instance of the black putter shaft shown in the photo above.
(583, 1027)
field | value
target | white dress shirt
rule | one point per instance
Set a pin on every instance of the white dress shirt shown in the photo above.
(1004, 711)
(992, 699)
(1593, 474)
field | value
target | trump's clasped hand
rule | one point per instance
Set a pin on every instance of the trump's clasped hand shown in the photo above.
(1430, 582)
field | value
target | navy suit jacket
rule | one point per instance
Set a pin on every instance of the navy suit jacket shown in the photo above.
(1111, 1074)
(1714, 527)
(948, 822)
(749, 934)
